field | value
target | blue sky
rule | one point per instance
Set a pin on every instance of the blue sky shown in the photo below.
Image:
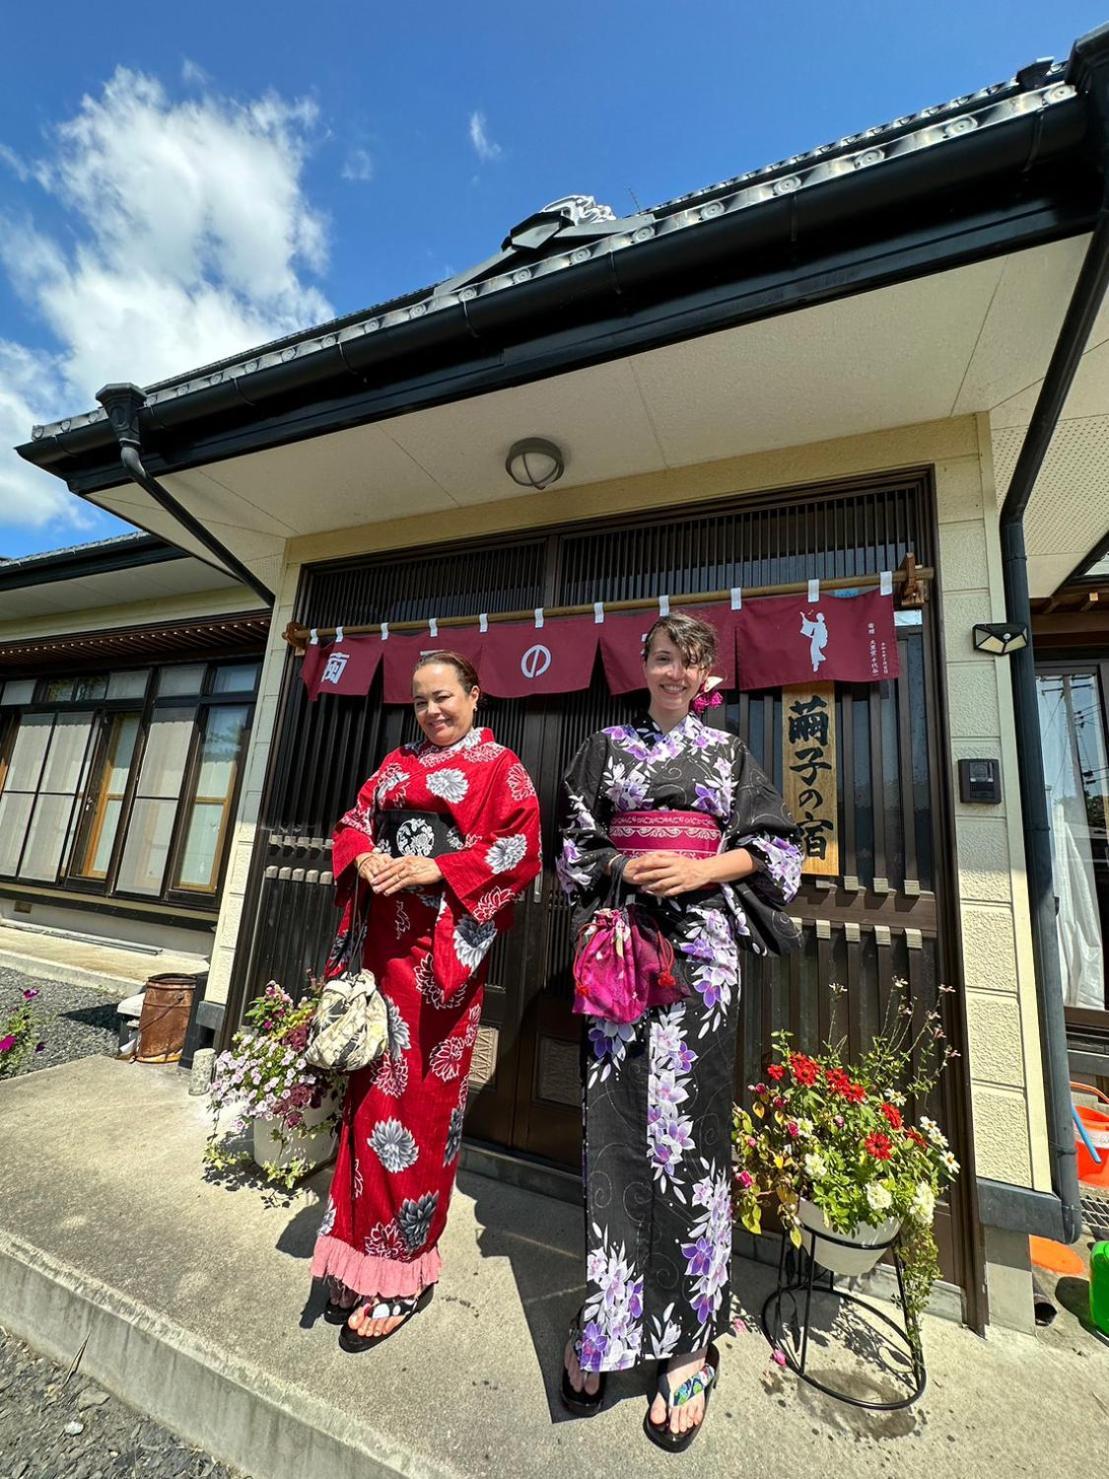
(178, 183)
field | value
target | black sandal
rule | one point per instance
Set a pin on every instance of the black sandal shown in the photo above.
(584, 1403)
(701, 1381)
(384, 1309)
(334, 1312)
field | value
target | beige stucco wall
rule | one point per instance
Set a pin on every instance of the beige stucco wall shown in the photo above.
(1010, 1130)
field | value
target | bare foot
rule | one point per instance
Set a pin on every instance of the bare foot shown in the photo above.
(588, 1382)
(364, 1321)
(690, 1413)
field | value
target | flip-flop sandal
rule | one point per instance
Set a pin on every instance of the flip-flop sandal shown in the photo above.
(583, 1402)
(334, 1312)
(385, 1309)
(700, 1381)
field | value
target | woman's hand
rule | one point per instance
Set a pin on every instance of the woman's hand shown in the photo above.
(370, 864)
(398, 873)
(665, 874)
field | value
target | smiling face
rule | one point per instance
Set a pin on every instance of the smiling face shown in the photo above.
(444, 704)
(671, 681)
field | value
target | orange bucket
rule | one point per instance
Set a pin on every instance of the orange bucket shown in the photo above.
(1096, 1124)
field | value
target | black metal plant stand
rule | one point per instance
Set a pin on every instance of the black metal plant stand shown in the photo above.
(797, 1277)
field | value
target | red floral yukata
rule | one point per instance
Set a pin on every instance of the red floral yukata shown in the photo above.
(401, 1129)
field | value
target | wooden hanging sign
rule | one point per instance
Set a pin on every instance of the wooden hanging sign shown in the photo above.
(811, 786)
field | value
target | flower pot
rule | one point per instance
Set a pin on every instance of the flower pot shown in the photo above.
(314, 1144)
(867, 1241)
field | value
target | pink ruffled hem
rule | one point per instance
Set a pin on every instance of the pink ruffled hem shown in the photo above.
(368, 1273)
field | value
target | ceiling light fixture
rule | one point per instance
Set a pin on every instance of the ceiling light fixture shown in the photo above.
(534, 463)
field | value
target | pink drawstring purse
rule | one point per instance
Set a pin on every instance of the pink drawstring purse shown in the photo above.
(623, 965)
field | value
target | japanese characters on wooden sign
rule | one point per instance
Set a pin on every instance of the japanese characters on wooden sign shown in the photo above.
(809, 772)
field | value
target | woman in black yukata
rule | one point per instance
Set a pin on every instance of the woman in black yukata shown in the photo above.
(680, 816)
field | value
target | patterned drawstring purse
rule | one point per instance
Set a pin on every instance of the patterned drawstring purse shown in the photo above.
(623, 965)
(350, 1029)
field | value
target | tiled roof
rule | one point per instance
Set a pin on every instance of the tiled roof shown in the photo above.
(1037, 89)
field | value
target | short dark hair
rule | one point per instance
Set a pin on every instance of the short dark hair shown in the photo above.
(695, 639)
(467, 673)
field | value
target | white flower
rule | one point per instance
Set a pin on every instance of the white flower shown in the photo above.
(393, 1145)
(879, 1197)
(506, 852)
(923, 1205)
(450, 785)
(815, 1165)
(415, 838)
(804, 1128)
(328, 1219)
(933, 1131)
(893, 1097)
(950, 1164)
(520, 783)
(472, 940)
(399, 1036)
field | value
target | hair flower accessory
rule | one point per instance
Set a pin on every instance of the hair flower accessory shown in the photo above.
(708, 696)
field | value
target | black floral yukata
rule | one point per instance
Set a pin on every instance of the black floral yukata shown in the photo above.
(658, 1092)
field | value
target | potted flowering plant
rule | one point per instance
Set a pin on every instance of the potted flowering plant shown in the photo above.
(830, 1145)
(263, 1080)
(20, 1035)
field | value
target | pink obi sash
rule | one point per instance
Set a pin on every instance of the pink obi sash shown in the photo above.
(692, 834)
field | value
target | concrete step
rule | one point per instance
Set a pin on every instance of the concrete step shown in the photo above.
(190, 1298)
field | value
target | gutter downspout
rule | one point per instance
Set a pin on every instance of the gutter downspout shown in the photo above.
(1089, 72)
(123, 403)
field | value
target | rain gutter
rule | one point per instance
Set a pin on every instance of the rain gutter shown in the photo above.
(123, 403)
(1000, 1204)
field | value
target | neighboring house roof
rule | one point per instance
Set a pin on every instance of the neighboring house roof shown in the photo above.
(98, 557)
(575, 260)
(66, 585)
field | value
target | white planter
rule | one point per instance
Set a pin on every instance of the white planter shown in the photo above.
(866, 1240)
(314, 1147)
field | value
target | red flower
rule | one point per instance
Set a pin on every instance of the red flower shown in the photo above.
(878, 1145)
(804, 1070)
(777, 1072)
(837, 1080)
(892, 1115)
(854, 1093)
(916, 1137)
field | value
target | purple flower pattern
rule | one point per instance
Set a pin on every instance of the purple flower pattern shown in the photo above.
(612, 1316)
(708, 1252)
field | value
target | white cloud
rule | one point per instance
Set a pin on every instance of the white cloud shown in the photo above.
(188, 236)
(358, 165)
(484, 146)
(17, 166)
(29, 496)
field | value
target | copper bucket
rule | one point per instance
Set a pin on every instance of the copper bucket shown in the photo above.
(166, 1008)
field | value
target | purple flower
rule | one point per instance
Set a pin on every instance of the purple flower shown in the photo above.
(698, 1257)
(7, 1043)
(594, 1344)
(30, 994)
(706, 1308)
(40, 1047)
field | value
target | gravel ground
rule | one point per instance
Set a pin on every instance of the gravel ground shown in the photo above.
(56, 1426)
(76, 1021)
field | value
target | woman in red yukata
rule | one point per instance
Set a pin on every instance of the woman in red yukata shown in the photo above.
(442, 838)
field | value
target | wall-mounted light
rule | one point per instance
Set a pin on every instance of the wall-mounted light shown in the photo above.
(534, 463)
(1000, 638)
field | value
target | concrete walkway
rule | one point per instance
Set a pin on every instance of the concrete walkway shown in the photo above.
(194, 1301)
(84, 962)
